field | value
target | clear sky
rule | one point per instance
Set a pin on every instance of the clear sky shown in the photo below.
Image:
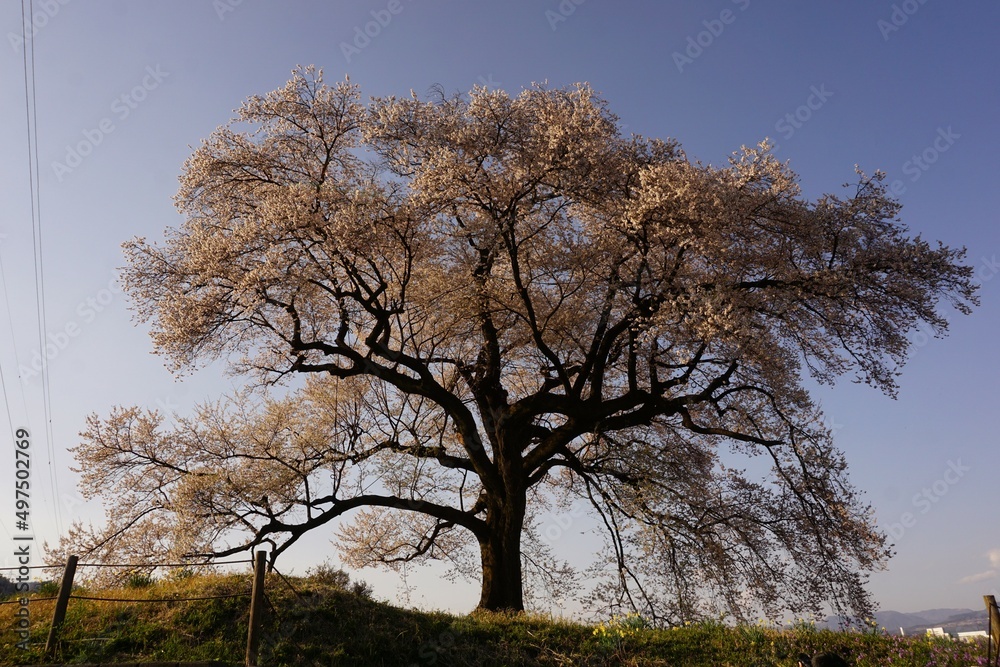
(912, 87)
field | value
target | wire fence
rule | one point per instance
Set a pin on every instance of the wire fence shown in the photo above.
(32, 599)
(73, 596)
(65, 594)
(60, 566)
(128, 600)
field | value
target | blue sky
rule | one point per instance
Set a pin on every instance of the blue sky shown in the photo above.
(911, 88)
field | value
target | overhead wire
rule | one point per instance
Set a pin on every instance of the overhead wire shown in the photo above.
(31, 112)
(3, 379)
(13, 345)
(3, 278)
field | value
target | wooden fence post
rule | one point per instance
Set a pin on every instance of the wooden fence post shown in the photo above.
(256, 608)
(59, 615)
(994, 631)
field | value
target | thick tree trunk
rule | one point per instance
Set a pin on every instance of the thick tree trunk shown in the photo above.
(501, 558)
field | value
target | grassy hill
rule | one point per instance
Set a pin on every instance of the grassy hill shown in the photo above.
(323, 620)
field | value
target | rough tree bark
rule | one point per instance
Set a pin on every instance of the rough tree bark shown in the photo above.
(500, 549)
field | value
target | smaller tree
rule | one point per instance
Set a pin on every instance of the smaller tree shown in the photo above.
(7, 587)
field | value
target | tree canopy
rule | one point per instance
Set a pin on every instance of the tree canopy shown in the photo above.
(499, 304)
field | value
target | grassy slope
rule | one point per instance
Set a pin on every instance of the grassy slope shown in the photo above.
(323, 624)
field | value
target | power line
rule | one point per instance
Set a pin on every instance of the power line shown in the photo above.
(3, 380)
(31, 113)
(13, 344)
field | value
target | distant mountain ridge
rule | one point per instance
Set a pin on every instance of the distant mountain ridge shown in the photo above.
(917, 623)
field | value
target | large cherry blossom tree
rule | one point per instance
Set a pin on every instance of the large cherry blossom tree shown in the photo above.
(482, 306)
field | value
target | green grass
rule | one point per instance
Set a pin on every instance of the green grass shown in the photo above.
(322, 623)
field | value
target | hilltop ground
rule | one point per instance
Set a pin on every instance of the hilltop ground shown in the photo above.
(325, 620)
